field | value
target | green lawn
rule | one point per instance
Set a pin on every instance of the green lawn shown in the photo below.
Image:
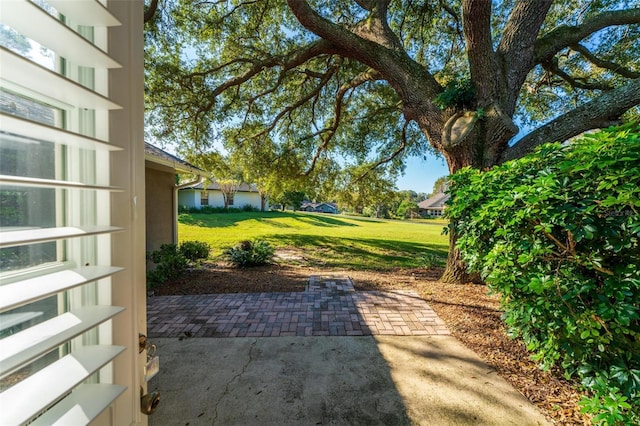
(331, 240)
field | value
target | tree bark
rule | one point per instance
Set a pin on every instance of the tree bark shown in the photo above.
(456, 272)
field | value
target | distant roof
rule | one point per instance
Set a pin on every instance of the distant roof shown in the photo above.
(159, 156)
(436, 201)
(316, 205)
(213, 186)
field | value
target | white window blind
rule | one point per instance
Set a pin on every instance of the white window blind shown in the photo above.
(56, 345)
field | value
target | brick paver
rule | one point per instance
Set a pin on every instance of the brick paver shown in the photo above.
(329, 307)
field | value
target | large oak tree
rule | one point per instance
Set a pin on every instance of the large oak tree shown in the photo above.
(378, 80)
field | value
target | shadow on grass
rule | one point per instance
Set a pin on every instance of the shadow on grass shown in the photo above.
(272, 218)
(361, 253)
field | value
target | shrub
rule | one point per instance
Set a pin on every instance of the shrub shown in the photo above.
(194, 250)
(250, 253)
(557, 234)
(170, 265)
(249, 208)
(431, 260)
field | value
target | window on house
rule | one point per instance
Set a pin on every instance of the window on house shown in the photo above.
(230, 199)
(55, 228)
(204, 198)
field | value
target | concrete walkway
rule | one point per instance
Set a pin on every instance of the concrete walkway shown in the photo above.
(403, 370)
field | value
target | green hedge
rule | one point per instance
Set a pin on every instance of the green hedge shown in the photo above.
(557, 234)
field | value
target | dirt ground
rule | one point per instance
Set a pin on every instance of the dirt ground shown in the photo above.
(472, 315)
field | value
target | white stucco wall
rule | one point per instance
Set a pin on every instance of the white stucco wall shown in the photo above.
(191, 198)
(241, 199)
(188, 198)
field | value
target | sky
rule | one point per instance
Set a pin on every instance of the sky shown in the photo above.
(421, 173)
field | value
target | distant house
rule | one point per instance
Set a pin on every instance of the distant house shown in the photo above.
(319, 207)
(198, 196)
(434, 206)
(161, 189)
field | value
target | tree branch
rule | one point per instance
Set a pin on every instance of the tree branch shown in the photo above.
(287, 62)
(575, 82)
(453, 14)
(150, 11)
(603, 111)
(612, 66)
(516, 48)
(394, 154)
(476, 18)
(369, 75)
(394, 65)
(325, 79)
(365, 4)
(566, 35)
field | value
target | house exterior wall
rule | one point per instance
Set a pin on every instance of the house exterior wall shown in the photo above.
(216, 199)
(241, 199)
(434, 211)
(128, 211)
(160, 226)
(192, 197)
(188, 198)
(327, 208)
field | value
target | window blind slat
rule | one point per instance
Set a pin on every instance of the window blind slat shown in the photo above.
(41, 235)
(30, 290)
(88, 12)
(33, 22)
(50, 183)
(84, 404)
(23, 72)
(23, 347)
(31, 396)
(31, 129)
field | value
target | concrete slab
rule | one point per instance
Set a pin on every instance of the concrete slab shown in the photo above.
(360, 380)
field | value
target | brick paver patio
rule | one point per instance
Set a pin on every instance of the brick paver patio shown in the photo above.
(329, 307)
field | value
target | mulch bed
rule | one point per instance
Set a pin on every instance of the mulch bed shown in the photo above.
(472, 315)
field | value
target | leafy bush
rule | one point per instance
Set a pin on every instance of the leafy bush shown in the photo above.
(171, 261)
(557, 234)
(170, 265)
(250, 253)
(408, 209)
(458, 93)
(194, 250)
(249, 208)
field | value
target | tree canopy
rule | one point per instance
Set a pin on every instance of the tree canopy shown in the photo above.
(369, 82)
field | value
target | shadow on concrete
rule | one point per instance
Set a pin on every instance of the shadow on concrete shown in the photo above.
(275, 381)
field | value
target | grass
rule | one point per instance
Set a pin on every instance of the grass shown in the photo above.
(326, 240)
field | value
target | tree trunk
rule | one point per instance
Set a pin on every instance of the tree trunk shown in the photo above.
(456, 271)
(480, 148)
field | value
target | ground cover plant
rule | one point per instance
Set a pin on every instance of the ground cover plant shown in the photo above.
(327, 240)
(557, 235)
(171, 261)
(250, 253)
